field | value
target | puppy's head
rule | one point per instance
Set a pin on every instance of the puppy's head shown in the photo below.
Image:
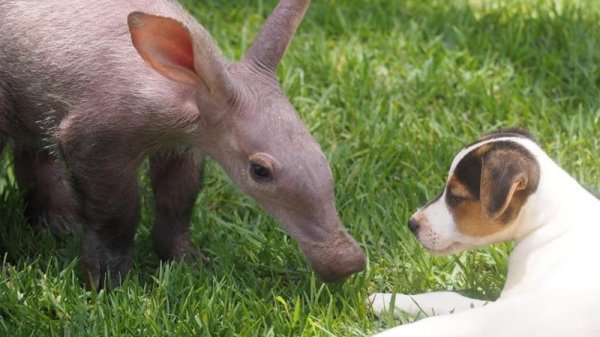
(488, 185)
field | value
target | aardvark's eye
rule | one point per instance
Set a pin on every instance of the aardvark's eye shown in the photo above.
(260, 172)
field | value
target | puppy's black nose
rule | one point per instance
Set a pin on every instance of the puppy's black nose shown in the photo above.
(413, 225)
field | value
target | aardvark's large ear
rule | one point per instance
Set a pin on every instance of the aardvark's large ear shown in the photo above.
(506, 170)
(170, 48)
(276, 34)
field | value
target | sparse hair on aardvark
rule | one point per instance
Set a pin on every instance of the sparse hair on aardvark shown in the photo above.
(116, 82)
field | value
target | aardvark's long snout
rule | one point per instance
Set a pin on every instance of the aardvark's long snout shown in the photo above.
(334, 258)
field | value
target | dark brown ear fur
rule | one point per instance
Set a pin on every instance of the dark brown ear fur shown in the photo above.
(509, 174)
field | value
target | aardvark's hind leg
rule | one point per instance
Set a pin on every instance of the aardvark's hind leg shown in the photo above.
(49, 199)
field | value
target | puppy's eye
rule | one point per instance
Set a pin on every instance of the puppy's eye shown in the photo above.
(260, 172)
(453, 199)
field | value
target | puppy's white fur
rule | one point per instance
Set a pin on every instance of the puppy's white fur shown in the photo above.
(553, 281)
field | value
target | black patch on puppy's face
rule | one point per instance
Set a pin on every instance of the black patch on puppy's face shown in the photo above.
(468, 171)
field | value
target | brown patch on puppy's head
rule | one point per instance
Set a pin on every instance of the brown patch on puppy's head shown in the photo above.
(489, 186)
(507, 132)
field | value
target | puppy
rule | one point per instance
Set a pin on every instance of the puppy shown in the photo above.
(504, 187)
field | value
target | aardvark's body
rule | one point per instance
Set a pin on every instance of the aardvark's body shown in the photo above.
(104, 86)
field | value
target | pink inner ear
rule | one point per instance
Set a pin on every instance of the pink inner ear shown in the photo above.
(175, 45)
(166, 45)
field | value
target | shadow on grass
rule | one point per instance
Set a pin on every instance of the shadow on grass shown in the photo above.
(555, 48)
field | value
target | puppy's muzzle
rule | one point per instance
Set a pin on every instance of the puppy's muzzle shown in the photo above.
(414, 225)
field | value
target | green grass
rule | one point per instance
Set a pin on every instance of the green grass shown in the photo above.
(391, 90)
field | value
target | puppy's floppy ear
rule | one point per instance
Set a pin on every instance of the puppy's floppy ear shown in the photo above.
(505, 172)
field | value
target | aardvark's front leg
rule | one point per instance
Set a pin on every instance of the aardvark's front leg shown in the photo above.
(176, 177)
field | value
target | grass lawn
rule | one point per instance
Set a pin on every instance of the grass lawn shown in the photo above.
(391, 90)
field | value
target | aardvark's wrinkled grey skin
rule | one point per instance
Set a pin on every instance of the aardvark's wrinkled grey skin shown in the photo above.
(104, 86)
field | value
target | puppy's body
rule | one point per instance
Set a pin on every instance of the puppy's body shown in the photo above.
(504, 187)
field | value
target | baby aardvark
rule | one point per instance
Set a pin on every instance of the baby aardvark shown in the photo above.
(103, 86)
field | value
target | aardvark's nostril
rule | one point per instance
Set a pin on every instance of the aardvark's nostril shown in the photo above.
(413, 225)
